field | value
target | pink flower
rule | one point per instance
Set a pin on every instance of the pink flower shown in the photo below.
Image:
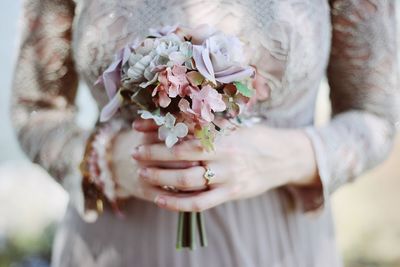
(190, 117)
(172, 82)
(178, 81)
(205, 101)
(234, 101)
(161, 90)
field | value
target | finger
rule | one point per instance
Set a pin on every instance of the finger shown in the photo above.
(150, 138)
(220, 172)
(189, 150)
(143, 125)
(182, 179)
(169, 164)
(197, 202)
(148, 192)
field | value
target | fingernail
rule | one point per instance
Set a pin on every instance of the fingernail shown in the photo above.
(161, 201)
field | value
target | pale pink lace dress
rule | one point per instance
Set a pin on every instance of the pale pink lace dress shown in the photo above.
(294, 43)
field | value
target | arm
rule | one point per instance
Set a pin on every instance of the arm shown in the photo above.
(43, 108)
(44, 90)
(362, 75)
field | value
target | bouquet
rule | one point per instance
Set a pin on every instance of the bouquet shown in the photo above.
(183, 79)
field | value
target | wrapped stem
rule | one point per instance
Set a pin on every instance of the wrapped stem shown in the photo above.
(186, 233)
(193, 230)
(179, 238)
(186, 230)
(202, 229)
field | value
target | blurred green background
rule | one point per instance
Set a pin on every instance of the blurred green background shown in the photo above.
(367, 212)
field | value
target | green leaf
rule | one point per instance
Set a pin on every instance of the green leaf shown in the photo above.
(195, 77)
(206, 137)
(243, 89)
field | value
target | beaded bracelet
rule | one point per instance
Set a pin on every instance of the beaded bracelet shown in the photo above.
(99, 182)
(93, 196)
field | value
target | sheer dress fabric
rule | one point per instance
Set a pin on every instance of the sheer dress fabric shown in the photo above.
(293, 43)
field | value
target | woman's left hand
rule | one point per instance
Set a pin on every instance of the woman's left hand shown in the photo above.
(246, 163)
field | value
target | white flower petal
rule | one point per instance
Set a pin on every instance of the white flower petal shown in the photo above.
(171, 140)
(220, 61)
(159, 120)
(169, 120)
(145, 114)
(180, 130)
(163, 132)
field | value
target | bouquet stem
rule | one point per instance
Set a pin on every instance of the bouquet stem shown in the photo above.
(186, 234)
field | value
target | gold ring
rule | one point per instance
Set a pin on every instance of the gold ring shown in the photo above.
(170, 188)
(208, 175)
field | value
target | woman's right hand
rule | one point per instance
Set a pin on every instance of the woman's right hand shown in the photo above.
(125, 167)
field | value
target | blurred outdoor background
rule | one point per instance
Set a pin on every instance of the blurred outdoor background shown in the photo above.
(367, 212)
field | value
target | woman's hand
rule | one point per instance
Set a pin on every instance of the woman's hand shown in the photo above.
(247, 162)
(125, 169)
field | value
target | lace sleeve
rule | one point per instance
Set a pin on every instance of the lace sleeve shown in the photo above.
(362, 75)
(44, 90)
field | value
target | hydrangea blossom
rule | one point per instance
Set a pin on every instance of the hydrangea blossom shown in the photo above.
(171, 132)
(158, 119)
(178, 80)
(162, 90)
(207, 100)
